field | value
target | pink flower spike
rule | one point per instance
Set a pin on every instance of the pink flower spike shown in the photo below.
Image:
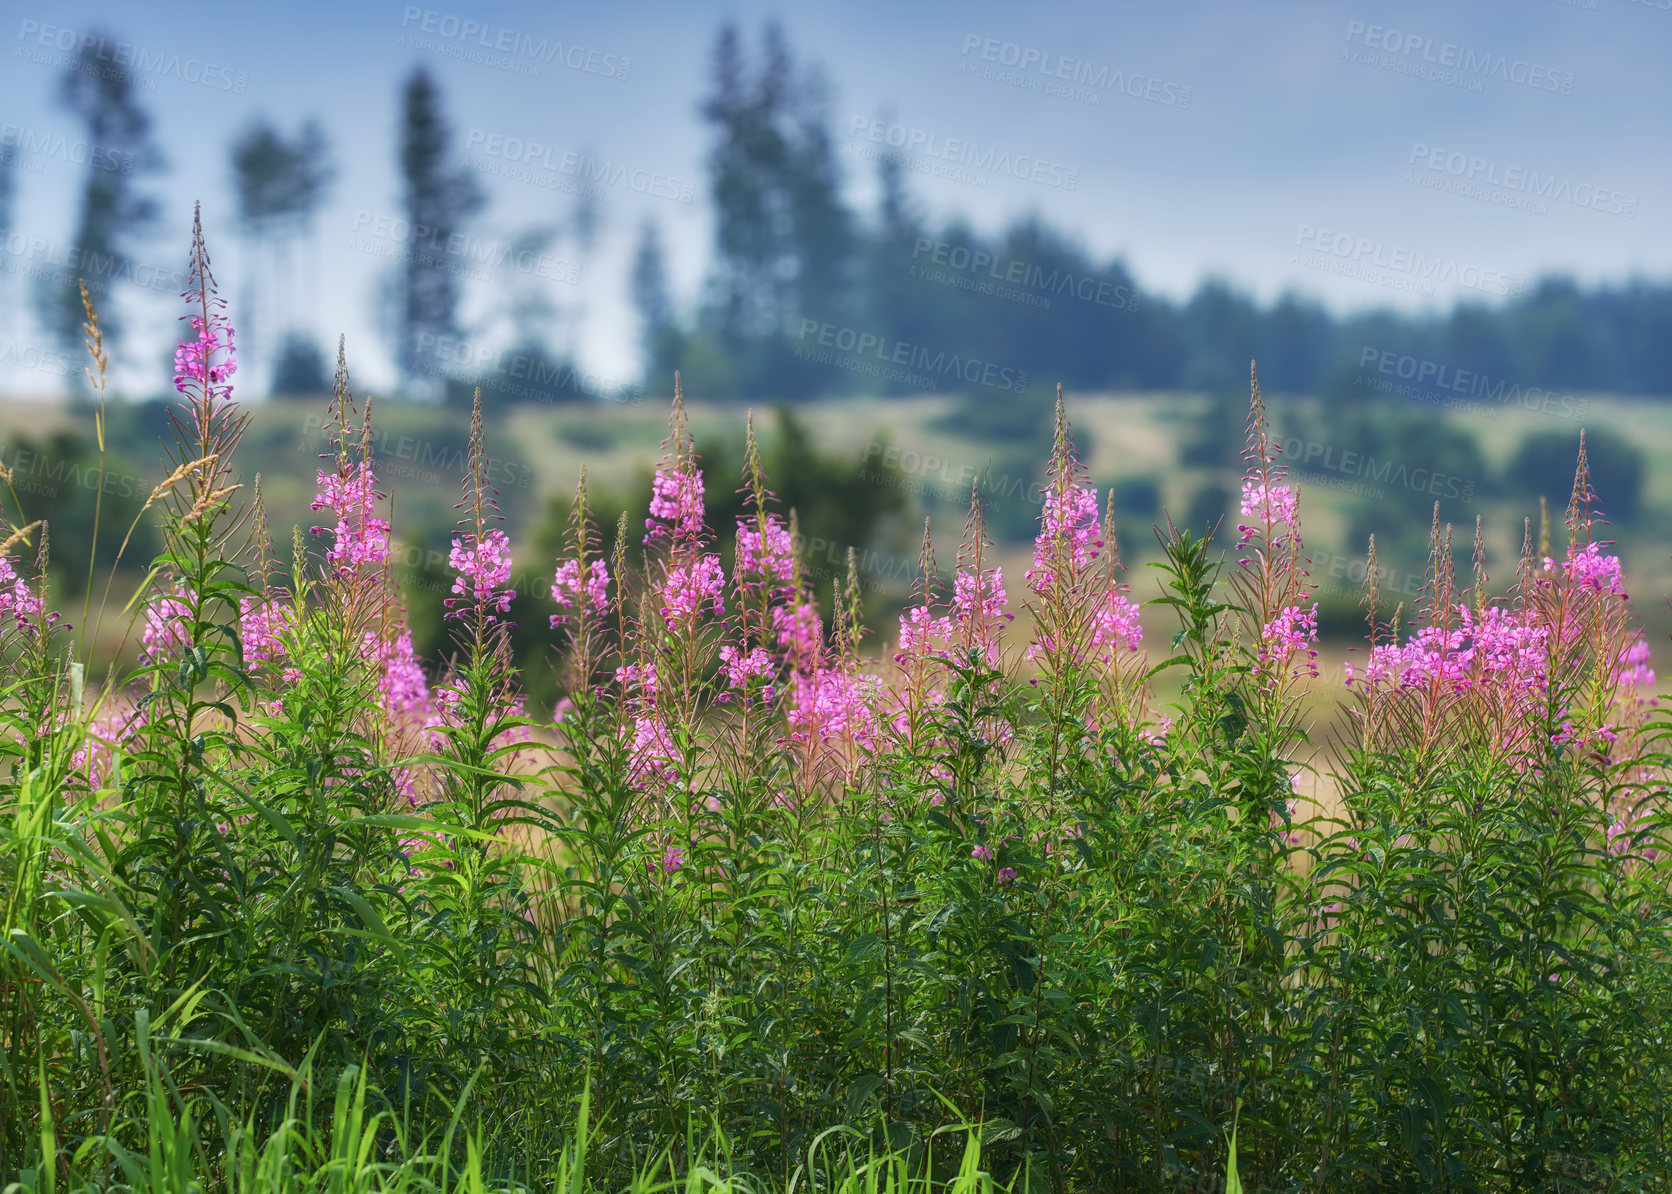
(483, 566)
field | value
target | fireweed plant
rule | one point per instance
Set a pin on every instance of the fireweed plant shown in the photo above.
(752, 883)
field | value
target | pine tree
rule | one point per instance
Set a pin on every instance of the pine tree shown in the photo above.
(112, 212)
(784, 241)
(439, 199)
(280, 184)
(658, 334)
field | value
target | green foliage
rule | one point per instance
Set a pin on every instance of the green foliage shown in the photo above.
(60, 477)
(260, 933)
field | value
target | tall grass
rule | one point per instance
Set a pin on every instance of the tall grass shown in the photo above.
(758, 908)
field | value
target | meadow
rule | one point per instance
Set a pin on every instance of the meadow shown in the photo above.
(1030, 890)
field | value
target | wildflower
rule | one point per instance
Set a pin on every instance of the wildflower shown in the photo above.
(766, 552)
(1636, 675)
(165, 625)
(651, 751)
(1069, 535)
(1158, 736)
(17, 601)
(676, 504)
(194, 360)
(1590, 569)
(641, 676)
(1274, 504)
(1115, 625)
(800, 632)
(838, 704)
(483, 566)
(981, 853)
(672, 859)
(741, 666)
(261, 625)
(923, 635)
(687, 588)
(403, 693)
(360, 537)
(1292, 630)
(569, 590)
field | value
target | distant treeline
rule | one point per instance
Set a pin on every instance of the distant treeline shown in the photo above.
(808, 297)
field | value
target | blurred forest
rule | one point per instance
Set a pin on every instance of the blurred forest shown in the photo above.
(807, 296)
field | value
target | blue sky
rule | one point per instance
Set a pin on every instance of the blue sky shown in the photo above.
(1336, 149)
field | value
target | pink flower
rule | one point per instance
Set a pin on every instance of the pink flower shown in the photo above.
(1591, 569)
(741, 666)
(981, 853)
(651, 753)
(923, 636)
(978, 608)
(17, 602)
(768, 553)
(1637, 676)
(687, 588)
(1007, 874)
(194, 359)
(1275, 504)
(1115, 625)
(567, 588)
(165, 626)
(483, 566)
(360, 537)
(672, 859)
(800, 633)
(261, 624)
(676, 505)
(837, 704)
(1292, 630)
(403, 692)
(1069, 535)
(640, 676)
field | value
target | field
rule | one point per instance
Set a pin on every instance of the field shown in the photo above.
(1025, 869)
